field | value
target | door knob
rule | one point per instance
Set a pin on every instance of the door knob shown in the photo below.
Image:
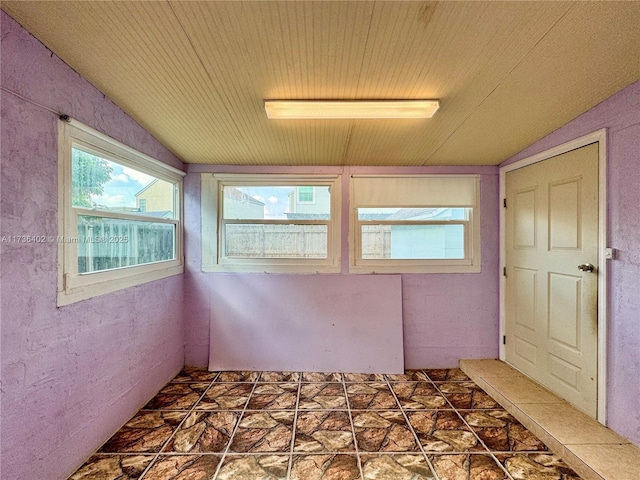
(586, 267)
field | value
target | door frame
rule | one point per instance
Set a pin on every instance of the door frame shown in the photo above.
(599, 136)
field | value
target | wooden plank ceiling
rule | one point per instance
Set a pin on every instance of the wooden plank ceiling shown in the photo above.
(195, 74)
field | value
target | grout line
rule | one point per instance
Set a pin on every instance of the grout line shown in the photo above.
(293, 431)
(188, 412)
(489, 451)
(415, 435)
(353, 428)
(150, 454)
(237, 425)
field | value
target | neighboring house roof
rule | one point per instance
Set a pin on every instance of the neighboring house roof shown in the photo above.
(145, 188)
(373, 216)
(414, 214)
(231, 192)
(307, 216)
(97, 206)
(160, 214)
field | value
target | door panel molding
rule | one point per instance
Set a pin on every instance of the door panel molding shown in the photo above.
(565, 286)
(526, 235)
(599, 136)
(565, 196)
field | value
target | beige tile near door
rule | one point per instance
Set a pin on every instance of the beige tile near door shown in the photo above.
(621, 462)
(520, 390)
(568, 425)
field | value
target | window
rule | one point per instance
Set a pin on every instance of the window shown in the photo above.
(415, 224)
(306, 194)
(257, 223)
(120, 216)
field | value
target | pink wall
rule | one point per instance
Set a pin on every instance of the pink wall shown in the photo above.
(620, 114)
(71, 376)
(446, 317)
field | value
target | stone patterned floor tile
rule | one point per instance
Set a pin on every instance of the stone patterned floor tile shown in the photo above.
(419, 396)
(238, 376)
(322, 396)
(536, 466)
(408, 376)
(268, 425)
(113, 467)
(203, 432)
(254, 467)
(183, 467)
(264, 432)
(395, 467)
(447, 375)
(280, 377)
(467, 467)
(467, 395)
(177, 396)
(274, 396)
(194, 375)
(370, 396)
(325, 467)
(364, 377)
(225, 396)
(500, 432)
(321, 377)
(147, 432)
(383, 431)
(323, 431)
(443, 431)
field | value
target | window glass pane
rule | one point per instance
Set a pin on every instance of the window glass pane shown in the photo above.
(105, 243)
(305, 194)
(276, 241)
(409, 214)
(415, 242)
(101, 184)
(275, 203)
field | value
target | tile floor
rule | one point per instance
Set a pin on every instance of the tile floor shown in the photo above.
(423, 425)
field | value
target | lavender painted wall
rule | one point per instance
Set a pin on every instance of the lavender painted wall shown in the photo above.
(620, 114)
(71, 376)
(445, 316)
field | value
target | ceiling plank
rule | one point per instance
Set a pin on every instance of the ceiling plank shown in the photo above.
(196, 74)
(591, 53)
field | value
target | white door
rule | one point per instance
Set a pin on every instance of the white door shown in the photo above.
(551, 294)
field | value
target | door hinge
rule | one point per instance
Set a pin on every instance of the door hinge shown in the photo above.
(504, 271)
(504, 339)
(504, 202)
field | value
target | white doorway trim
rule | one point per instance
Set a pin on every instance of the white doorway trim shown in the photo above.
(599, 136)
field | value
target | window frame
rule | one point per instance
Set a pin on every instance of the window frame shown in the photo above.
(213, 225)
(72, 285)
(472, 241)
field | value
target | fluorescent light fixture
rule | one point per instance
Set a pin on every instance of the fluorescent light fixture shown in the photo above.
(320, 109)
